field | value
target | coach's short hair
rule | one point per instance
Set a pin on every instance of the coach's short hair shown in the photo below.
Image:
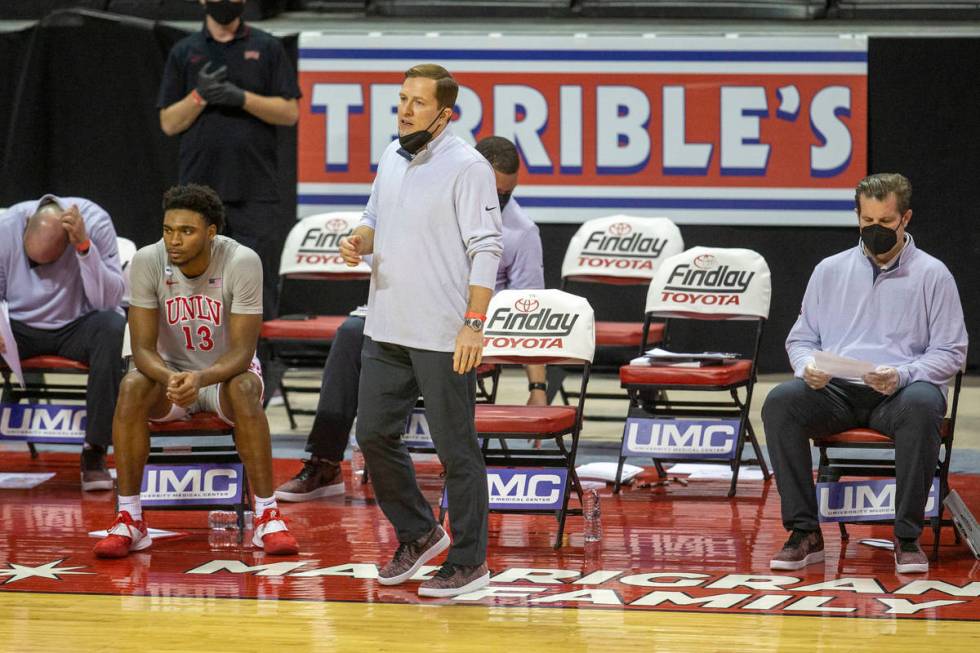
(446, 87)
(198, 198)
(501, 154)
(878, 186)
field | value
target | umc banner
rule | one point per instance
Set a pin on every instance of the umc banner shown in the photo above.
(865, 500)
(524, 488)
(706, 130)
(43, 423)
(680, 438)
(198, 484)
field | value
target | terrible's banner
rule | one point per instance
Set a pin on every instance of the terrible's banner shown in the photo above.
(751, 131)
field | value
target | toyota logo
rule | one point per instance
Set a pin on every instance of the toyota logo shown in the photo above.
(336, 225)
(705, 261)
(620, 228)
(527, 305)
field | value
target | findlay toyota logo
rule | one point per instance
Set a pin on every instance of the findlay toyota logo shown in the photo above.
(706, 283)
(528, 325)
(705, 262)
(526, 304)
(620, 228)
(336, 225)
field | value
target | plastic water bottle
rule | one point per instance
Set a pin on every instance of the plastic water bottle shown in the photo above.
(227, 520)
(356, 462)
(591, 511)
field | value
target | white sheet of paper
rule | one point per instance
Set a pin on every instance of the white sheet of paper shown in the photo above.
(601, 471)
(11, 355)
(840, 366)
(702, 471)
(26, 481)
(722, 472)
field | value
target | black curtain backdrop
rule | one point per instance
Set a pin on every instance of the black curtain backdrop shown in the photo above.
(78, 116)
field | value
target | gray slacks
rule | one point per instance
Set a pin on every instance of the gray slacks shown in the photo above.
(793, 413)
(392, 378)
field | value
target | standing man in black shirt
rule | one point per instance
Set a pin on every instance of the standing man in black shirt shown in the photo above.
(225, 89)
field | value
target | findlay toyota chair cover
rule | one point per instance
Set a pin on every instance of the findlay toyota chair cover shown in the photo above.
(707, 284)
(618, 250)
(311, 253)
(535, 327)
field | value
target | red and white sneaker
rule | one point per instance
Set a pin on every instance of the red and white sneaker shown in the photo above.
(125, 535)
(272, 535)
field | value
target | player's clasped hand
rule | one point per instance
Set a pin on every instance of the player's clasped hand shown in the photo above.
(182, 388)
(350, 250)
(814, 378)
(883, 379)
(469, 350)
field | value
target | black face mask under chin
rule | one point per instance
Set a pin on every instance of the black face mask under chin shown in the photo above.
(503, 198)
(879, 240)
(224, 12)
(412, 143)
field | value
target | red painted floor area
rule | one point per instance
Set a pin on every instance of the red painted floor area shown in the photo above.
(669, 548)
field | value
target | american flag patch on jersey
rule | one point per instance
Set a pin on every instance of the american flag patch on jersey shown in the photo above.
(251, 54)
(214, 283)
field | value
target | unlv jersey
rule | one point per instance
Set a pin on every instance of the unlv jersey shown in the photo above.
(194, 312)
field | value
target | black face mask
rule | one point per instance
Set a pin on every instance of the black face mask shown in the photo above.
(879, 240)
(503, 198)
(412, 143)
(224, 12)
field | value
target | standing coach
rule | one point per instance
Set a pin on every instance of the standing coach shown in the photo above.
(433, 225)
(225, 89)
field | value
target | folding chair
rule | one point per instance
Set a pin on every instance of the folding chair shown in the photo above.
(193, 475)
(618, 250)
(311, 253)
(127, 250)
(705, 285)
(27, 413)
(535, 327)
(832, 468)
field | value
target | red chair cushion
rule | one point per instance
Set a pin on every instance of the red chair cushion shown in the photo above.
(626, 334)
(321, 327)
(493, 418)
(198, 422)
(713, 375)
(52, 363)
(853, 436)
(868, 436)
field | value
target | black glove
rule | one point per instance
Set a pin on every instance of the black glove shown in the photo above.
(208, 79)
(225, 94)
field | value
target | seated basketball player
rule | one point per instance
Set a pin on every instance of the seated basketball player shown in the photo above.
(194, 320)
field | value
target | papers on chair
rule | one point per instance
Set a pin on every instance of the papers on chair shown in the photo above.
(606, 472)
(10, 355)
(841, 366)
(25, 481)
(360, 311)
(658, 356)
